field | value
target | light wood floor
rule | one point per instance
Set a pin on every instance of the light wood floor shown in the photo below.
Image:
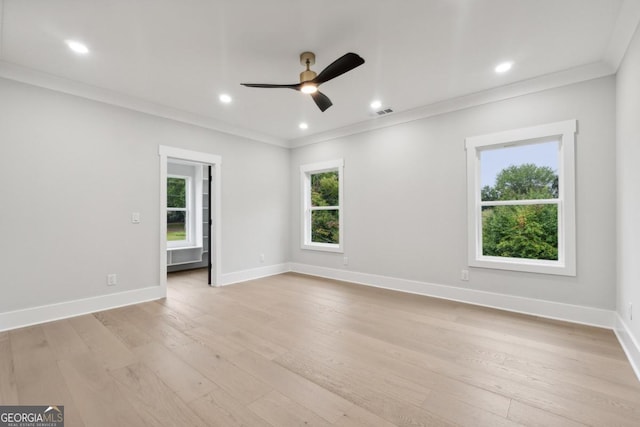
(292, 350)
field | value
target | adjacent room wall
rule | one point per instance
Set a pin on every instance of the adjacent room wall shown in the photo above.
(628, 202)
(405, 198)
(73, 171)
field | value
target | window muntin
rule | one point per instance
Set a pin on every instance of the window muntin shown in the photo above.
(322, 206)
(511, 178)
(178, 210)
(521, 198)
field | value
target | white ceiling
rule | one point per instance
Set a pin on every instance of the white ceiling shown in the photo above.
(180, 55)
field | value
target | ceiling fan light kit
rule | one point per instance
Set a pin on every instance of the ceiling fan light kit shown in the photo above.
(309, 80)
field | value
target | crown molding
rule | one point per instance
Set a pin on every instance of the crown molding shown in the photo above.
(623, 31)
(549, 81)
(574, 75)
(33, 77)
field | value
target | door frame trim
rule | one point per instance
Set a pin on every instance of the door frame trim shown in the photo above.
(166, 152)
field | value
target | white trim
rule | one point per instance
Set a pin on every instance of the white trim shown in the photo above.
(623, 31)
(254, 273)
(166, 152)
(11, 71)
(629, 343)
(578, 74)
(48, 313)
(549, 309)
(538, 84)
(305, 185)
(566, 263)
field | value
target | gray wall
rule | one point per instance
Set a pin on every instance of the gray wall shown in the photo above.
(628, 151)
(73, 170)
(405, 196)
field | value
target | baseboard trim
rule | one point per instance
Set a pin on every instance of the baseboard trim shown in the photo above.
(552, 310)
(629, 344)
(254, 273)
(48, 313)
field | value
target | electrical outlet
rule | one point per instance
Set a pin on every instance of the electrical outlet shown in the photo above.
(135, 217)
(112, 279)
(630, 311)
(345, 260)
(261, 257)
(464, 275)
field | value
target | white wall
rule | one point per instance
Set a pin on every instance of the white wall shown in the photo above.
(73, 170)
(405, 197)
(628, 191)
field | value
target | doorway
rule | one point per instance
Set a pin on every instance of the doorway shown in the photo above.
(190, 211)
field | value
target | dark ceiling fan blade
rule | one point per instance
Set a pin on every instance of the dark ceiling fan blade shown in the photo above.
(295, 86)
(346, 62)
(322, 101)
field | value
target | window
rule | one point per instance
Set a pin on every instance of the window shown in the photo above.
(322, 206)
(178, 211)
(521, 199)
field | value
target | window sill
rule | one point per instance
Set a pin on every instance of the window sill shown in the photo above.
(323, 247)
(528, 266)
(178, 248)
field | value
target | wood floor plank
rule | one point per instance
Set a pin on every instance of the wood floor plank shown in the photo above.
(98, 398)
(250, 341)
(359, 417)
(534, 417)
(461, 413)
(185, 381)
(414, 366)
(324, 403)
(103, 345)
(219, 409)
(38, 377)
(227, 376)
(279, 410)
(157, 327)
(154, 401)
(357, 388)
(125, 331)
(221, 344)
(387, 383)
(8, 387)
(64, 340)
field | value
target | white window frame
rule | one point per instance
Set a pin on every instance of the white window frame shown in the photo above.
(189, 241)
(305, 173)
(564, 133)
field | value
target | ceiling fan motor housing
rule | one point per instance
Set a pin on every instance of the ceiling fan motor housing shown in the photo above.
(307, 75)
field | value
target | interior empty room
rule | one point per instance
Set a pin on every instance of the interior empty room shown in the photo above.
(291, 213)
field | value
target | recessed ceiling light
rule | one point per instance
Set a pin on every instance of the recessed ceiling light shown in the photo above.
(224, 98)
(376, 104)
(303, 125)
(504, 67)
(77, 47)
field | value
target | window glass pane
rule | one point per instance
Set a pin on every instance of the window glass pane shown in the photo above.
(176, 193)
(520, 231)
(325, 226)
(324, 189)
(521, 172)
(176, 225)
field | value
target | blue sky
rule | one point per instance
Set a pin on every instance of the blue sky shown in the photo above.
(493, 161)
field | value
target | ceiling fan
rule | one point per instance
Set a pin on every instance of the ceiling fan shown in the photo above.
(309, 80)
